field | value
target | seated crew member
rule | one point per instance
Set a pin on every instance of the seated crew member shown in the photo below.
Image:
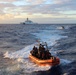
(43, 56)
(32, 52)
(34, 48)
(48, 54)
(39, 51)
(35, 51)
(43, 52)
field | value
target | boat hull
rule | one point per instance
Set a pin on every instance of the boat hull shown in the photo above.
(52, 61)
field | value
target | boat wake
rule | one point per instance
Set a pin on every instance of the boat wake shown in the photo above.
(23, 53)
(22, 58)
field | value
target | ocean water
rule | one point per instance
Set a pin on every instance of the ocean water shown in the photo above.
(16, 42)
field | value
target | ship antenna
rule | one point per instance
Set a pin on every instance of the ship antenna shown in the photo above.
(27, 19)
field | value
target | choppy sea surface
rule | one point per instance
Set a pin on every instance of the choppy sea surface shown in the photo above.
(17, 40)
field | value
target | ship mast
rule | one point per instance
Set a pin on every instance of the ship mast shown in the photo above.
(27, 19)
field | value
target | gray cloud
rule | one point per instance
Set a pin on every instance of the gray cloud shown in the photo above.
(56, 8)
(4, 6)
(35, 2)
(39, 6)
(9, 0)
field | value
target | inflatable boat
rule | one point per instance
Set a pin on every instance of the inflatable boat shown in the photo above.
(42, 57)
(48, 62)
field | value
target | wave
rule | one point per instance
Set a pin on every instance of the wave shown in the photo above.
(22, 56)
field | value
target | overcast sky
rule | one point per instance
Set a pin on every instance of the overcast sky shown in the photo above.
(40, 11)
